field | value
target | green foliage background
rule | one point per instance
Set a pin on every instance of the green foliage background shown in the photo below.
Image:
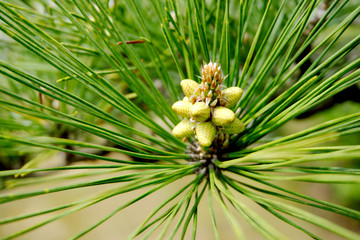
(87, 78)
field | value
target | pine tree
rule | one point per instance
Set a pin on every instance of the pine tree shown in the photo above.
(194, 92)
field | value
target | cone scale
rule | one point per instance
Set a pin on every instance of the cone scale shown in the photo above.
(184, 129)
(205, 133)
(223, 116)
(182, 108)
(200, 111)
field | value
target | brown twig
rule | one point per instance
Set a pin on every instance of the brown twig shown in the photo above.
(41, 101)
(131, 42)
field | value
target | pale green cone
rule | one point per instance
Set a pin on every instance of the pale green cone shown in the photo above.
(182, 108)
(205, 133)
(189, 87)
(235, 127)
(184, 129)
(200, 112)
(223, 116)
(232, 95)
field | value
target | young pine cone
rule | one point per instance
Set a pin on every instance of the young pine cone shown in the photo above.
(206, 108)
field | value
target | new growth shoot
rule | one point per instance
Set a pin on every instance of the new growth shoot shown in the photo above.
(209, 120)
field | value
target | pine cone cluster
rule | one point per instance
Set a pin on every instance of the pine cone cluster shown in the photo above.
(206, 108)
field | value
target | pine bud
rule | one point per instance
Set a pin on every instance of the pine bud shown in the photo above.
(213, 104)
(217, 75)
(182, 108)
(208, 79)
(232, 95)
(235, 127)
(184, 129)
(223, 116)
(189, 87)
(206, 87)
(207, 100)
(217, 89)
(200, 111)
(205, 133)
